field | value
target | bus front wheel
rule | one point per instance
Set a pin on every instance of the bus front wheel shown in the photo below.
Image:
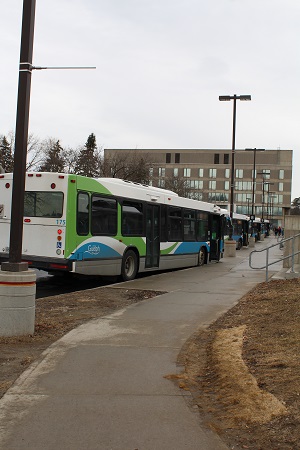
(129, 266)
(202, 257)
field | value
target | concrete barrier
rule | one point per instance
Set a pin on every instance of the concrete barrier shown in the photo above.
(229, 248)
(17, 303)
(251, 242)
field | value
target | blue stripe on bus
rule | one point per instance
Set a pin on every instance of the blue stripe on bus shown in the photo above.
(190, 247)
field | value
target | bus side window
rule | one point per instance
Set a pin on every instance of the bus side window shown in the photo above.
(83, 207)
(189, 225)
(132, 218)
(104, 215)
(175, 224)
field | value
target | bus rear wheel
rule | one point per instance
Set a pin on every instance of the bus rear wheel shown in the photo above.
(129, 266)
(202, 256)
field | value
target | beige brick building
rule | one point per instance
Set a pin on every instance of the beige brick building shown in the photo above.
(207, 176)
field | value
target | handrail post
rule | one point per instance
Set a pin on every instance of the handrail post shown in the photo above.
(267, 264)
(293, 254)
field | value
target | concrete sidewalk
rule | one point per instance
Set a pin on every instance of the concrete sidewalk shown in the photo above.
(102, 385)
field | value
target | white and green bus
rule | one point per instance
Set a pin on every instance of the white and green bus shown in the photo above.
(108, 226)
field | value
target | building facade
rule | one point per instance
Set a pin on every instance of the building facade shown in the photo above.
(262, 179)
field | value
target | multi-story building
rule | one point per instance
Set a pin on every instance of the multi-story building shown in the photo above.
(262, 179)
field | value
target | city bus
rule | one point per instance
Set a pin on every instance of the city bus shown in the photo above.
(108, 226)
(240, 228)
(260, 227)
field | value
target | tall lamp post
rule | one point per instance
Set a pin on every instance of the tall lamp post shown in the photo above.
(227, 98)
(254, 150)
(263, 190)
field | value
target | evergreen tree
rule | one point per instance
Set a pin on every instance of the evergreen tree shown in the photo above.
(88, 162)
(6, 155)
(54, 161)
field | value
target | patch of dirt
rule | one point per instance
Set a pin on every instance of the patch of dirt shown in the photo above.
(57, 315)
(243, 371)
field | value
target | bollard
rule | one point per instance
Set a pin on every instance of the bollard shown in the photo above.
(229, 248)
(17, 303)
(251, 241)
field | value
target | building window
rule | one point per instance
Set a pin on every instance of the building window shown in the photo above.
(266, 174)
(161, 171)
(217, 197)
(281, 174)
(195, 195)
(212, 173)
(175, 172)
(200, 173)
(168, 158)
(151, 172)
(186, 172)
(227, 173)
(226, 185)
(217, 158)
(161, 183)
(196, 184)
(280, 187)
(177, 158)
(226, 158)
(212, 185)
(239, 173)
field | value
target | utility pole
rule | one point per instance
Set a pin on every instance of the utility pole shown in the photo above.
(14, 263)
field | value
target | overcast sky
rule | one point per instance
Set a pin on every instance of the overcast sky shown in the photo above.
(161, 66)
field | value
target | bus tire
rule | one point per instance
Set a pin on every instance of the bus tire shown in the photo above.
(202, 256)
(129, 266)
(239, 244)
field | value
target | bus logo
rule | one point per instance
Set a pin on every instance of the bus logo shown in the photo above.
(93, 249)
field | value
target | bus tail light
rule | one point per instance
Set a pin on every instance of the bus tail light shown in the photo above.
(58, 266)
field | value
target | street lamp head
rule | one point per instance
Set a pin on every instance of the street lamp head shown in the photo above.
(227, 98)
(245, 98)
(255, 149)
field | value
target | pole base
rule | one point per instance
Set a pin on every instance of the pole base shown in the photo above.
(17, 303)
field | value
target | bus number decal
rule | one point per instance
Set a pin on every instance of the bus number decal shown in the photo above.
(61, 222)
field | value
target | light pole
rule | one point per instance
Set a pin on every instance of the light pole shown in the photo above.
(268, 184)
(227, 98)
(248, 206)
(254, 150)
(263, 191)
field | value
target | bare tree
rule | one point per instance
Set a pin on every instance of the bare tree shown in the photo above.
(178, 185)
(131, 166)
(34, 150)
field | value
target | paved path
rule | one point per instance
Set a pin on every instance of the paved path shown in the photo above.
(102, 386)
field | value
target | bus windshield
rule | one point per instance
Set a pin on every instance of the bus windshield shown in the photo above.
(43, 204)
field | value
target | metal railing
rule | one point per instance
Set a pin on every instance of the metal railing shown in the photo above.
(280, 244)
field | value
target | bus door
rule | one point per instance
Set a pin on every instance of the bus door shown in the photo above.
(152, 236)
(215, 225)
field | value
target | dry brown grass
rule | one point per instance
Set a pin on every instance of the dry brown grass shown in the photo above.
(244, 371)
